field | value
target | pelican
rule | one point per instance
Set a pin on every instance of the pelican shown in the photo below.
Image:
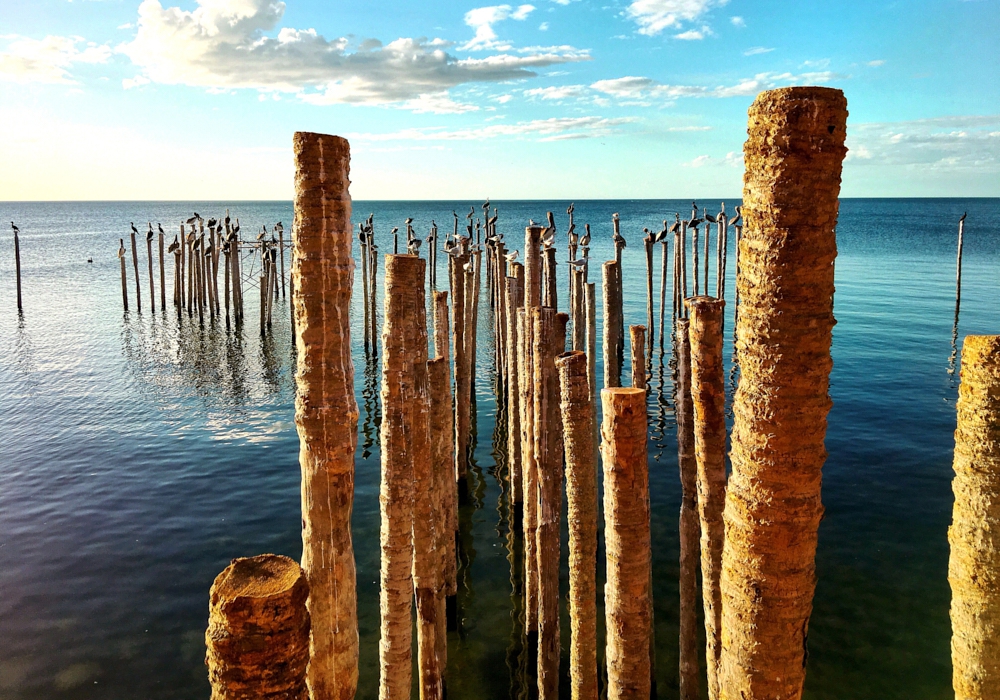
(739, 216)
(212, 223)
(709, 218)
(648, 236)
(236, 229)
(121, 246)
(226, 220)
(263, 232)
(662, 235)
(279, 227)
(149, 233)
(472, 212)
(694, 222)
(193, 219)
(548, 237)
(134, 229)
(173, 246)
(413, 247)
(585, 239)
(570, 209)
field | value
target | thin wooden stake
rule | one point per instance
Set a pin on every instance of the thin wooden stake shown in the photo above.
(135, 267)
(637, 338)
(612, 312)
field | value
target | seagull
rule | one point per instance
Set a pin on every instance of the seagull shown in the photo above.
(511, 257)
(134, 229)
(532, 223)
(579, 262)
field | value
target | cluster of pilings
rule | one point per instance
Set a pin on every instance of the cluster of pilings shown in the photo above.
(198, 262)
(751, 535)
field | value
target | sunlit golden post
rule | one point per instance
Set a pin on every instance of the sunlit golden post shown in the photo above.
(258, 630)
(444, 447)
(578, 419)
(637, 341)
(793, 155)
(974, 535)
(628, 600)
(326, 412)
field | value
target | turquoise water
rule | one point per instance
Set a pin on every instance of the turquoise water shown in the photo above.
(140, 452)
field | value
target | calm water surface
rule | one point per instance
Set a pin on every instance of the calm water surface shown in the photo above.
(140, 452)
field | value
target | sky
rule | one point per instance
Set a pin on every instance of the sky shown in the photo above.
(198, 99)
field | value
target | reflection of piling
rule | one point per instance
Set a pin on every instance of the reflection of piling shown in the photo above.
(578, 419)
(689, 525)
(794, 155)
(258, 630)
(612, 316)
(326, 413)
(637, 341)
(974, 535)
(708, 396)
(405, 438)
(549, 341)
(628, 599)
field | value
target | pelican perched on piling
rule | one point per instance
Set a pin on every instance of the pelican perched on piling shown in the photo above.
(212, 223)
(738, 221)
(236, 229)
(121, 244)
(585, 239)
(173, 246)
(617, 236)
(149, 233)
(662, 235)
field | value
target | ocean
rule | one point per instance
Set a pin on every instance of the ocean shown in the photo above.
(140, 452)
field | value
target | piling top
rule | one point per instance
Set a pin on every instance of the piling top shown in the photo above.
(624, 392)
(263, 576)
(571, 358)
(981, 352)
(703, 302)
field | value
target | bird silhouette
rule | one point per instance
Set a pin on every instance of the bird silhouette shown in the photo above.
(15, 228)
(738, 221)
(962, 220)
(159, 227)
(121, 246)
(585, 239)
(212, 223)
(134, 229)
(709, 218)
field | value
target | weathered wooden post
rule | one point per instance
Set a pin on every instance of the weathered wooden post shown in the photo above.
(183, 261)
(590, 301)
(708, 395)
(663, 290)
(695, 288)
(515, 301)
(258, 630)
(326, 413)
(637, 341)
(441, 400)
(974, 534)
(459, 316)
(532, 299)
(647, 243)
(363, 237)
(690, 529)
(17, 268)
(793, 154)
(405, 440)
(445, 501)
(163, 276)
(578, 420)
(612, 313)
(549, 341)
(628, 598)
(135, 267)
(191, 268)
(281, 249)
(121, 259)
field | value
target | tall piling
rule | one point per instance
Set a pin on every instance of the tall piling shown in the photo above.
(326, 413)
(149, 262)
(958, 265)
(628, 598)
(690, 529)
(578, 419)
(612, 316)
(708, 396)
(647, 243)
(637, 341)
(532, 299)
(258, 630)
(163, 276)
(121, 259)
(405, 441)
(793, 154)
(444, 519)
(138, 280)
(974, 535)
(515, 301)
(549, 341)
(443, 400)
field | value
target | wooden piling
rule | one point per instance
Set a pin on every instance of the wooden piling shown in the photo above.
(443, 400)
(663, 292)
(708, 396)
(258, 630)
(459, 316)
(135, 267)
(637, 341)
(149, 262)
(190, 270)
(590, 311)
(958, 265)
(405, 442)
(281, 249)
(532, 299)
(578, 420)
(515, 301)
(690, 529)
(549, 341)
(444, 518)
(551, 291)
(974, 535)
(793, 154)
(647, 243)
(163, 276)
(326, 413)
(696, 287)
(364, 283)
(228, 265)
(628, 598)
(121, 259)
(612, 313)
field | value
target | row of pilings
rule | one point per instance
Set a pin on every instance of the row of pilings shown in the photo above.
(750, 536)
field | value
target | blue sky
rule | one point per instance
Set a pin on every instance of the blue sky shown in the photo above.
(185, 99)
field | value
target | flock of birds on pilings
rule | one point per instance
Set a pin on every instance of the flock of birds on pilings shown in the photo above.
(197, 262)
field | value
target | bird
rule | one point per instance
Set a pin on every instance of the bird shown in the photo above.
(226, 220)
(263, 232)
(16, 229)
(709, 218)
(662, 235)
(649, 234)
(90, 260)
(193, 219)
(279, 226)
(962, 220)
(579, 262)
(694, 222)
(395, 240)
(532, 223)
(134, 229)
(585, 240)
(173, 246)
(738, 221)
(548, 237)
(208, 250)
(472, 212)
(570, 209)
(511, 257)
(413, 246)
(121, 247)
(236, 229)
(212, 223)
(160, 227)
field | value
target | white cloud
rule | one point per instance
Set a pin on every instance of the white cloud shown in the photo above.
(876, 64)
(756, 50)
(47, 60)
(555, 129)
(653, 16)
(694, 34)
(689, 128)
(561, 92)
(127, 25)
(482, 20)
(223, 44)
(737, 21)
(137, 81)
(732, 159)
(634, 87)
(969, 143)
(543, 27)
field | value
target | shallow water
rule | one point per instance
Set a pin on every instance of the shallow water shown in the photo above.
(141, 452)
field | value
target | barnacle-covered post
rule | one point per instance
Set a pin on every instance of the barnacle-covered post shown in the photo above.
(794, 154)
(326, 413)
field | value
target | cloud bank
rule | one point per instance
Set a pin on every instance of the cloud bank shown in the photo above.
(47, 60)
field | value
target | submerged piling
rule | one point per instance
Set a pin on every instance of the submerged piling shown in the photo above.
(578, 418)
(708, 396)
(974, 535)
(326, 413)
(258, 630)
(794, 154)
(628, 598)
